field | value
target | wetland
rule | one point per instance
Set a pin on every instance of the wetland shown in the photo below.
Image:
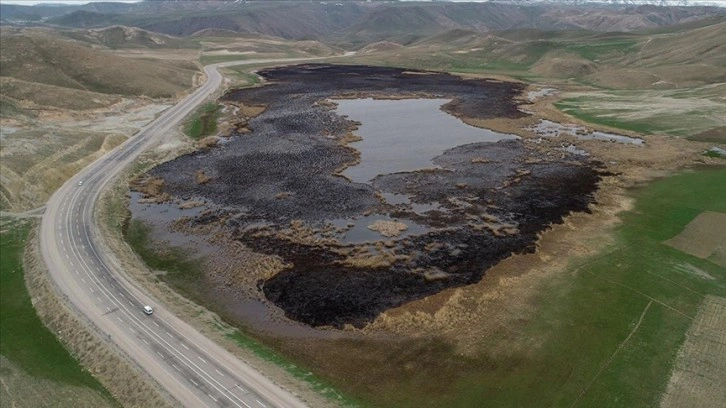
(323, 234)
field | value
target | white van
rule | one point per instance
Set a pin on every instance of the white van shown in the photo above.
(148, 310)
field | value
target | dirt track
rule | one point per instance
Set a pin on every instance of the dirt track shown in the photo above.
(276, 188)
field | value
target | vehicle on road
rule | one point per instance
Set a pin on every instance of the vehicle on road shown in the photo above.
(148, 310)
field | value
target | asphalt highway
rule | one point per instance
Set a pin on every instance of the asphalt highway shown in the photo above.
(193, 369)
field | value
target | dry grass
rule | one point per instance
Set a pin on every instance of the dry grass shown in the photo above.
(201, 178)
(35, 163)
(43, 57)
(35, 96)
(699, 375)
(152, 188)
(20, 390)
(704, 237)
(388, 228)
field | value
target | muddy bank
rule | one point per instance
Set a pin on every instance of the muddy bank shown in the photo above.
(277, 189)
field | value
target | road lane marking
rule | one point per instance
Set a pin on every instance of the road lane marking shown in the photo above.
(146, 341)
(119, 319)
(91, 289)
(194, 382)
(83, 280)
(169, 334)
(213, 399)
(258, 401)
(203, 360)
(219, 372)
(155, 323)
(160, 355)
(184, 345)
(99, 299)
(176, 368)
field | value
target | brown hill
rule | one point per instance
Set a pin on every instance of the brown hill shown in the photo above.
(352, 25)
(39, 56)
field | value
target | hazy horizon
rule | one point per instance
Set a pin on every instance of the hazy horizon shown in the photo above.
(718, 3)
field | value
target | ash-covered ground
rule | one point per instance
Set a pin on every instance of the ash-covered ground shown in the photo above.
(278, 189)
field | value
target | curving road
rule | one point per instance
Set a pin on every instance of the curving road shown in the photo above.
(192, 368)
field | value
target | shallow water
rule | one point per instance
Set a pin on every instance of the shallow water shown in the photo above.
(405, 135)
(548, 128)
(161, 218)
(357, 231)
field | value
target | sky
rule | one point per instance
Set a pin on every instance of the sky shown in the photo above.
(721, 3)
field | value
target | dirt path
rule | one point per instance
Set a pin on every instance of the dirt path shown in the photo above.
(612, 356)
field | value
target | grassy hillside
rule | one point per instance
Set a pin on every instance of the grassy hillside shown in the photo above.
(639, 60)
(118, 37)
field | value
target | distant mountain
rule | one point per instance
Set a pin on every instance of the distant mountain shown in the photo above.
(352, 25)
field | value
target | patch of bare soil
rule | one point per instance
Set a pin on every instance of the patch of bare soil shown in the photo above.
(40, 153)
(704, 237)
(699, 375)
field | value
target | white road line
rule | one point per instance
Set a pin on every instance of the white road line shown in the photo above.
(258, 401)
(119, 319)
(99, 299)
(91, 289)
(213, 399)
(83, 280)
(108, 308)
(155, 323)
(146, 341)
(169, 334)
(203, 360)
(160, 355)
(184, 345)
(176, 368)
(194, 382)
(219, 372)
(132, 330)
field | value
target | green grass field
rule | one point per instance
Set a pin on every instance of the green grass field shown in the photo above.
(203, 122)
(180, 270)
(24, 340)
(670, 112)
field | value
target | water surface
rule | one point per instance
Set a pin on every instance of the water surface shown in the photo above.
(405, 135)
